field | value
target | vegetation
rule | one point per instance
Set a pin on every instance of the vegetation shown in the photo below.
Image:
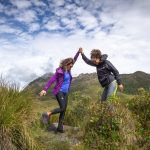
(15, 118)
(115, 124)
(121, 123)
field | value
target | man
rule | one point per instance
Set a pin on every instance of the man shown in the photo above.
(108, 75)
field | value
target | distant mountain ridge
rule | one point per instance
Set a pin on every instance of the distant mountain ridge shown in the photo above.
(131, 82)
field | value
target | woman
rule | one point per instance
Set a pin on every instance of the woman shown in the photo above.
(63, 79)
(108, 75)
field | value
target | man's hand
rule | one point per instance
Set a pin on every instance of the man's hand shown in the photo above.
(43, 92)
(121, 87)
(81, 50)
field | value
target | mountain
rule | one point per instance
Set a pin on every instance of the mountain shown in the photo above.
(136, 80)
(88, 83)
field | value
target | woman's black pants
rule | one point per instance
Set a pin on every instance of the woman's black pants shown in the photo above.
(62, 99)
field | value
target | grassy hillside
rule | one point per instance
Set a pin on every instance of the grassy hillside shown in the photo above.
(88, 83)
(121, 123)
(15, 118)
(136, 80)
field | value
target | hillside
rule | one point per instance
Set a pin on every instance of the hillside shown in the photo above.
(111, 130)
(89, 82)
(136, 80)
(121, 123)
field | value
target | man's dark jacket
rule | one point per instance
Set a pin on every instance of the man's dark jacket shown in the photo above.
(106, 72)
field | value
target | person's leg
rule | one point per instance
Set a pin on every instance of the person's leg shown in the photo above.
(62, 114)
(61, 98)
(61, 102)
(112, 89)
(104, 94)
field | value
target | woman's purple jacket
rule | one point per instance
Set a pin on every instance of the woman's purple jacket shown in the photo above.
(58, 77)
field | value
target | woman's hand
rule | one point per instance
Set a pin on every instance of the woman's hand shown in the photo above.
(42, 93)
(121, 87)
(81, 50)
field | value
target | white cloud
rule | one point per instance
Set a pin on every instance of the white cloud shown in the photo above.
(60, 12)
(7, 29)
(86, 19)
(133, 24)
(21, 63)
(22, 13)
(26, 16)
(1, 7)
(38, 3)
(34, 27)
(41, 48)
(59, 3)
(69, 24)
(11, 12)
(21, 4)
(52, 25)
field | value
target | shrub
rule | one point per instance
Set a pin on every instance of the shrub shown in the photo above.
(140, 105)
(111, 126)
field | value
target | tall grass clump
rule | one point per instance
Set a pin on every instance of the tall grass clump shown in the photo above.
(111, 126)
(140, 106)
(15, 118)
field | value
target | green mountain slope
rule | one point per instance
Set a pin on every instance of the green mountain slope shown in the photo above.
(88, 83)
(136, 80)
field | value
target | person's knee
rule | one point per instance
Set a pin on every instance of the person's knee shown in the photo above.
(63, 109)
(112, 89)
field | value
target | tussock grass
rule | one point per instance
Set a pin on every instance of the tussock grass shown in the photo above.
(15, 118)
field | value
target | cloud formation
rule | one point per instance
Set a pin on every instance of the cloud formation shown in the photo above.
(35, 35)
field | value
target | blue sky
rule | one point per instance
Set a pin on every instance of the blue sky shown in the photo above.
(36, 34)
